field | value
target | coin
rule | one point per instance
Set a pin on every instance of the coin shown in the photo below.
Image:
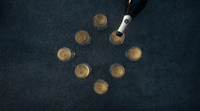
(116, 40)
(117, 70)
(82, 37)
(82, 70)
(100, 87)
(134, 53)
(100, 21)
(65, 54)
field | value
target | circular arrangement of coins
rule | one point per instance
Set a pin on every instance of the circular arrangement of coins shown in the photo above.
(83, 70)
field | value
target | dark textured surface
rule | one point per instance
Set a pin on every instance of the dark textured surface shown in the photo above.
(167, 78)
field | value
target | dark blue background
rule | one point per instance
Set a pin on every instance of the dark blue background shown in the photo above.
(166, 78)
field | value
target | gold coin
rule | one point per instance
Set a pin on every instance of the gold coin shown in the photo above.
(100, 20)
(82, 70)
(82, 37)
(100, 87)
(64, 54)
(134, 53)
(117, 70)
(116, 39)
